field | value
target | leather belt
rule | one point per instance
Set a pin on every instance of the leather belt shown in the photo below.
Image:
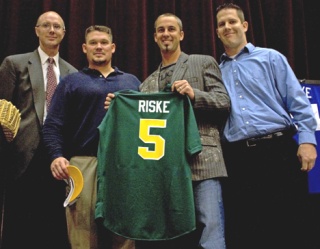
(251, 142)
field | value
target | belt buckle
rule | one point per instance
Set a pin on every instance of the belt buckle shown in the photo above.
(278, 134)
(267, 137)
(251, 143)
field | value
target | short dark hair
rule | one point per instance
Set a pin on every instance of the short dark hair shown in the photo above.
(173, 15)
(232, 6)
(100, 28)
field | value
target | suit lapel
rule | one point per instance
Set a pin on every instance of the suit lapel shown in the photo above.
(180, 68)
(64, 70)
(36, 79)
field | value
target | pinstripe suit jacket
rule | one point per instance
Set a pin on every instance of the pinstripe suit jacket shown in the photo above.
(21, 82)
(211, 107)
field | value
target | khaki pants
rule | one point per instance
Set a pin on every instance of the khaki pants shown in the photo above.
(82, 228)
(119, 242)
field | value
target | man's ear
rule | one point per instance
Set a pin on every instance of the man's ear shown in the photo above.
(217, 33)
(245, 25)
(84, 48)
(113, 47)
(181, 35)
(36, 30)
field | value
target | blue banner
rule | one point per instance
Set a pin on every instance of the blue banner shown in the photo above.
(313, 93)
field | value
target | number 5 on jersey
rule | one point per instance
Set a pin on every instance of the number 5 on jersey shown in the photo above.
(146, 137)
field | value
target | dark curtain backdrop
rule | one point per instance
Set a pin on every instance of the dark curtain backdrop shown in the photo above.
(290, 26)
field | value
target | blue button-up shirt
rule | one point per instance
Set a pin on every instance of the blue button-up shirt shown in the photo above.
(265, 96)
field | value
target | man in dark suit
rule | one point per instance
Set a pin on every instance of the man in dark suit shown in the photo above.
(199, 77)
(34, 214)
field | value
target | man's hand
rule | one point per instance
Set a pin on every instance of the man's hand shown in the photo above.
(183, 87)
(307, 155)
(59, 168)
(109, 98)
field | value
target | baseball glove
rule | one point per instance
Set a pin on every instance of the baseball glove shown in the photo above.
(9, 119)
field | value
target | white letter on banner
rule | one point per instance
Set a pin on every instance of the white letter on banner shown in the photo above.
(316, 115)
(308, 91)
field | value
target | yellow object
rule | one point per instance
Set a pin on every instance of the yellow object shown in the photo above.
(9, 119)
(75, 183)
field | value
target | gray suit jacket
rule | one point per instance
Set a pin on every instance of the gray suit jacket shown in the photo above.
(211, 107)
(21, 82)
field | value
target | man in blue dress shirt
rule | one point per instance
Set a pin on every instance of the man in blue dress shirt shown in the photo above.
(265, 195)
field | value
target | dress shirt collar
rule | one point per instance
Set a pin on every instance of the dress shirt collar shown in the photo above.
(247, 49)
(90, 71)
(44, 57)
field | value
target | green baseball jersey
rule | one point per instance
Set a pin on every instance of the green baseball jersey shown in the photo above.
(144, 178)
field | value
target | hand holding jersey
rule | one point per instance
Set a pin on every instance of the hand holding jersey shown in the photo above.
(180, 86)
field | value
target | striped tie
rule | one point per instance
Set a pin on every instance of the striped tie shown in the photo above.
(51, 81)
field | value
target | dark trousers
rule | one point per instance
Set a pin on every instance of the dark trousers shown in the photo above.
(265, 196)
(34, 215)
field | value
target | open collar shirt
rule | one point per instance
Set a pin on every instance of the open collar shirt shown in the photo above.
(265, 96)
